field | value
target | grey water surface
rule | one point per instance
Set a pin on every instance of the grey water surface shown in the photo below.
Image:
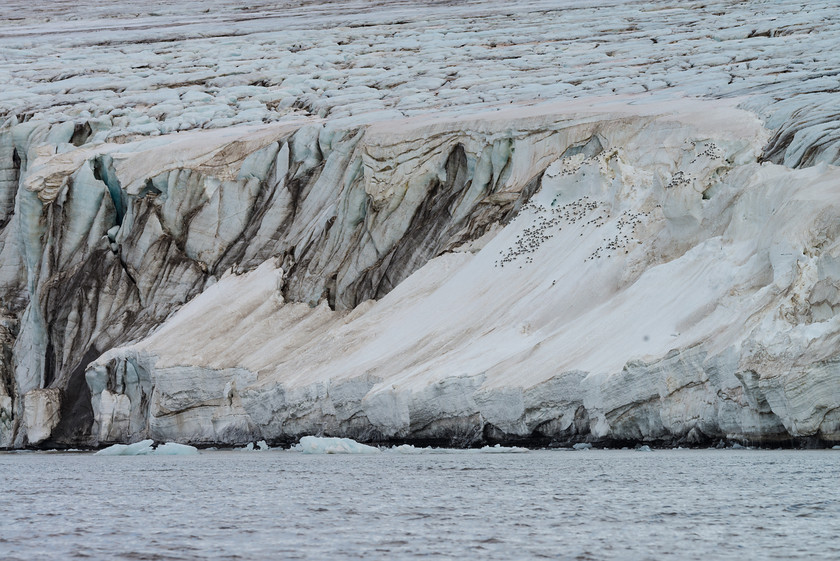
(593, 504)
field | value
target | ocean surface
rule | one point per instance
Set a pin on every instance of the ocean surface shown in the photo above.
(590, 504)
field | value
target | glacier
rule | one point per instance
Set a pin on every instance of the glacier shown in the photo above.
(583, 237)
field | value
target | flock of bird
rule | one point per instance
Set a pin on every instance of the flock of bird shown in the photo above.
(545, 227)
(712, 152)
(547, 224)
(571, 167)
(679, 179)
(621, 240)
(549, 221)
(682, 179)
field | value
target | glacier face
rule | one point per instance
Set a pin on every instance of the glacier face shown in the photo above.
(631, 267)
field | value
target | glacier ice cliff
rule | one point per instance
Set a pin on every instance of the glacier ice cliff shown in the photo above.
(617, 267)
(593, 269)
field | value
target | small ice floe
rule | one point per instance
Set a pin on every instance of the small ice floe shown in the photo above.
(141, 448)
(643, 448)
(405, 449)
(835, 447)
(147, 448)
(329, 445)
(261, 446)
(582, 446)
(499, 449)
(175, 449)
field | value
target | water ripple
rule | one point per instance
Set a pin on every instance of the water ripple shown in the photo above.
(692, 504)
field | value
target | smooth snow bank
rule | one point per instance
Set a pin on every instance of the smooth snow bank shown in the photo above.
(146, 448)
(326, 445)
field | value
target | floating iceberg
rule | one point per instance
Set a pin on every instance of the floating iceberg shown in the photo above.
(326, 445)
(406, 449)
(141, 448)
(175, 449)
(499, 449)
(146, 448)
(260, 447)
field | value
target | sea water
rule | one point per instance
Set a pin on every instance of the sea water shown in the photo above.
(586, 504)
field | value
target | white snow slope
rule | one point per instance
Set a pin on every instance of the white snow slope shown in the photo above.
(606, 223)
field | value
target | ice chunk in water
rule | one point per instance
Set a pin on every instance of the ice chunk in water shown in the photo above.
(261, 446)
(137, 449)
(145, 448)
(327, 445)
(499, 449)
(175, 449)
(582, 446)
